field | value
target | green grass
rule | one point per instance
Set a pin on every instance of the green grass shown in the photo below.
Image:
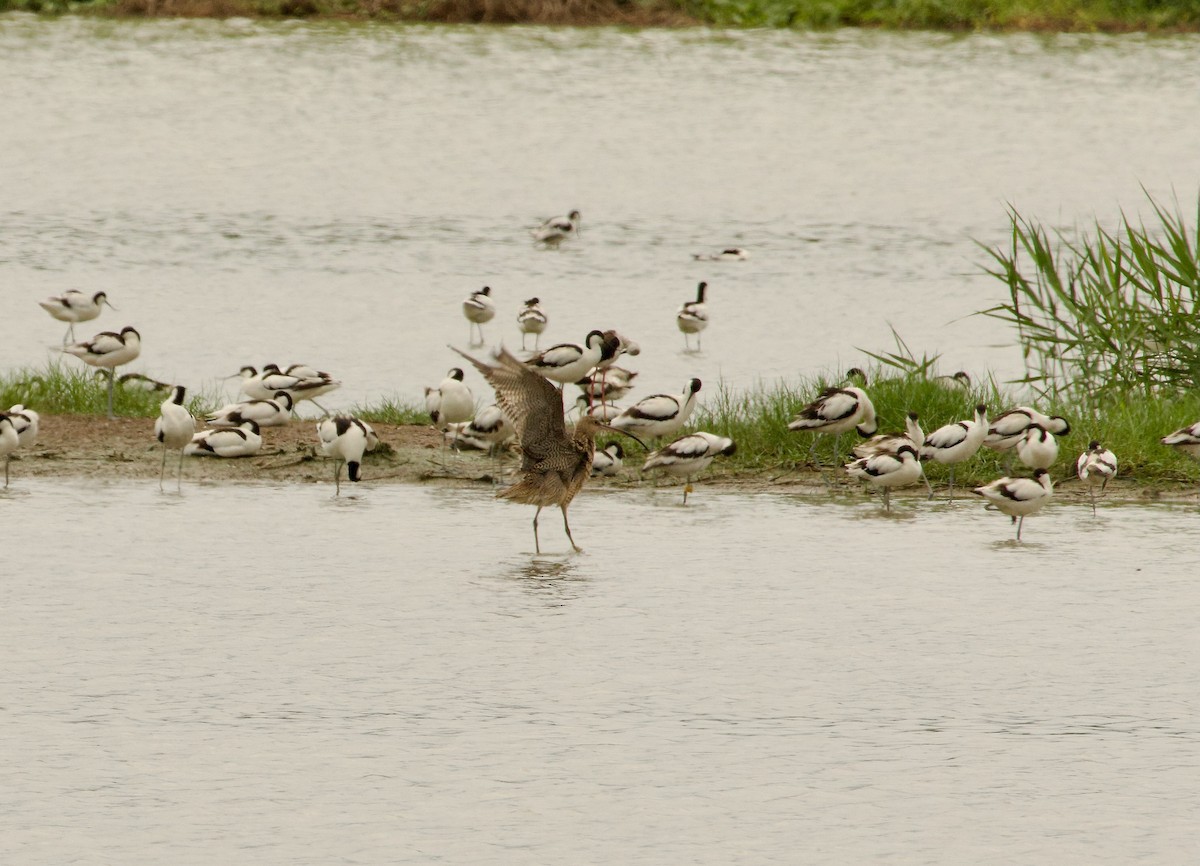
(392, 410)
(68, 390)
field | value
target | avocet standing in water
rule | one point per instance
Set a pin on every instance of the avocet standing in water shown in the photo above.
(693, 317)
(1037, 449)
(1008, 428)
(108, 350)
(532, 320)
(1096, 464)
(242, 441)
(887, 470)
(836, 411)
(557, 229)
(345, 439)
(174, 428)
(690, 455)
(659, 415)
(479, 308)
(9, 441)
(955, 443)
(891, 443)
(1018, 497)
(74, 306)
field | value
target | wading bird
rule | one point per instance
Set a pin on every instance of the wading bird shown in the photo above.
(689, 455)
(554, 464)
(26, 423)
(478, 308)
(74, 306)
(8, 441)
(275, 412)
(837, 410)
(532, 320)
(1008, 428)
(345, 439)
(174, 428)
(954, 443)
(241, 441)
(557, 229)
(1096, 464)
(887, 470)
(693, 318)
(108, 350)
(1018, 497)
(570, 362)
(1037, 449)
(608, 461)
(451, 402)
(891, 443)
(659, 415)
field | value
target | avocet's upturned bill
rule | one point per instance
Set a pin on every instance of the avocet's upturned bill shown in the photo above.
(243, 441)
(659, 415)
(887, 470)
(73, 307)
(1096, 464)
(174, 428)
(1018, 497)
(690, 455)
(692, 317)
(345, 439)
(108, 350)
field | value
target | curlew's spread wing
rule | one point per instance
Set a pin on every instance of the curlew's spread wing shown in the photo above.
(531, 401)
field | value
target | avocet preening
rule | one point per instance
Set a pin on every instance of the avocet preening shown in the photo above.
(1096, 464)
(344, 438)
(837, 410)
(570, 362)
(275, 412)
(478, 308)
(1008, 428)
(611, 384)
(139, 382)
(887, 470)
(532, 320)
(890, 443)
(608, 461)
(693, 317)
(954, 443)
(660, 414)
(26, 422)
(108, 350)
(689, 455)
(1018, 497)
(174, 428)
(488, 431)
(9, 441)
(74, 306)
(265, 385)
(243, 441)
(451, 402)
(1185, 440)
(1037, 449)
(557, 229)
(729, 254)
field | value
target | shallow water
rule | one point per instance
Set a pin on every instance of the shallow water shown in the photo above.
(254, 192)
(251, 671)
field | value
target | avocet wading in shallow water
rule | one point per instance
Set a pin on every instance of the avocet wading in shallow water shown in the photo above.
(174, 428)
(532, 319)
(955, 443)
(1096, 464)
(479, 308)
(345, 439)
(887, 470)
(74, 306)
(693, 317)
(690, 455)
(1018, 497)
(836, 411)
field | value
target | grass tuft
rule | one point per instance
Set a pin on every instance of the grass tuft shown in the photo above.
(62, 390)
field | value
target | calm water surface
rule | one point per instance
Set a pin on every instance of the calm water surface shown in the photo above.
(276, 192)
(753, 679)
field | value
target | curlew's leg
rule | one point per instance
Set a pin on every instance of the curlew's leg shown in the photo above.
(567, 526)
(537, 548)
(163, 470)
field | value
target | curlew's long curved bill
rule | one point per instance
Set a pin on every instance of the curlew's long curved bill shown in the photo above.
(623, 433)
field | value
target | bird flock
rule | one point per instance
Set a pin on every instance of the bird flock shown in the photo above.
(531, 413)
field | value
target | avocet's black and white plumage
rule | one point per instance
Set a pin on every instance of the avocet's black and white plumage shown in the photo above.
(729, 254)
(889, 443)
(608, 461)
(692, 317)
(243, 441)
(532, 319)
(689, 455)
(108, 350)
(74, 306)
(1018, 497)
(659, 415)
(955, 443)
(479, 308)
(9, 441)
(605, 412)
(613, 384)
(1037, 449)
(174, 428)
(1008, 428)
(345, 439)
(272, 380)
(491, 425)
(557, 229)
(1185, 440)
(451, 402)
(275, 412)
(570, 362)
(139, 382)
(887, 470)
(836, 411)
(1096, 464)
(26, 422)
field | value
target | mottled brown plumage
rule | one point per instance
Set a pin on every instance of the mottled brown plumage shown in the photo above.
(555, 463)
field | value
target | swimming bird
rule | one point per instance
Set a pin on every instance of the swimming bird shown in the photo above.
(344, 438)
(689, 455)
(608, 461)
(275, 412)
(957, 442)
(26, 422)
(659, 415)
(837, 410)
(887, 470)
(241, 441)
(570, 362)
(9, 441)
(729, 254)
(554, 464)
(693, 317)
(555, 230)
(532, 320)
(1097, 463)
(174, 428)
(108, 350)
(1008, 428)
(1038, 449)
(478, 308)
(74, 306)
(1018, 497)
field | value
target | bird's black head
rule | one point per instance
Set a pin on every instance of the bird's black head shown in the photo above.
(981, 408)
(617, 450)
(913, 416)
(177, 395)
(271, 368)
(729, 449)
(1040, 473)
(129, 329)
(857, 374)
(252, 426)
(693, 386)
(1094, 445)
(533, 302)
(573, 215)
(486, 290)
(455, 373)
